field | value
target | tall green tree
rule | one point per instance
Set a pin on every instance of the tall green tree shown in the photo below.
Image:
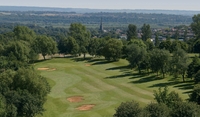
(193, 67)
(131, 32)
(146, 32)
(81, 35)
(112, 49)
(149, 45)
(159, 61)
(45, 45)
(166, 97)
(195, 25)
(24, 92)
(165, 45)
(196, 46)
(157, 42)
(93, 46)
(136, 55)
(176, 35)
(27, 35)
(195, 95)
(179, 63)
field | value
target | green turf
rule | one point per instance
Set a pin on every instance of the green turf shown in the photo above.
(104, 84)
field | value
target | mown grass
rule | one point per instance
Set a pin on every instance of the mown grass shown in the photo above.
(104, 84)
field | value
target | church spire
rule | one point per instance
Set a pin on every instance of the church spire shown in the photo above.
(101, 25)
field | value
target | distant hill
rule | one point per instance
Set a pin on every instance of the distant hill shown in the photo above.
(84, 10)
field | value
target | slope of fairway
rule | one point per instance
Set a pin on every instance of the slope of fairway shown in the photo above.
(99, 86)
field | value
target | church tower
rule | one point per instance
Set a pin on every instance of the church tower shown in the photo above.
(101, 25)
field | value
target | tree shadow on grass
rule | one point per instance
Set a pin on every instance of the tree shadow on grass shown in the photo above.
(102, 62)
(146, 79)
(38, 61)
(170, 83)
(127, 67)
(188, 85)
(119, 76)
(185, 85)
(95, 60)
(78, 59)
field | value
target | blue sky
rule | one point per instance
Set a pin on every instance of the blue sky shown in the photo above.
(109, 4)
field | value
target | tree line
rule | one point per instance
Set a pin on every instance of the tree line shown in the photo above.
(23, 91)
(166, 104)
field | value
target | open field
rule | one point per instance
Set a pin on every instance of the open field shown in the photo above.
(95, 87)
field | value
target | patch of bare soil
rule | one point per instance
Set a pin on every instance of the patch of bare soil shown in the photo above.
(85, 107)
(87, 65)
(47, 69)
(75, 99)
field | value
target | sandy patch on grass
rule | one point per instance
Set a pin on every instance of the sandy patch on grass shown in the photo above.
(75, 99)
(46, 68)
(85, 107)
(52, 69)
(87, 65)
(43, 68)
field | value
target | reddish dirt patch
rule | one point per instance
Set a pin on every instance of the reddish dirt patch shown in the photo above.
(46, 68)
(85, 107)
(87, 65)
(75, 99)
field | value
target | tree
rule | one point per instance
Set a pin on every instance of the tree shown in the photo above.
(175, 45)
(193, 67)
(146, 32)
(176, 35)
(165, 45)
(157, 42)
(195, 95)
(17, 50)
(131, 32)
(14, 55)
(149, 44)
(2, 106)
(24, 92)
(159, 61)
(62, 44)
(27, 36)
(196, 47)
(128, 109)
(195, 25)
(185, 109)
(197, 77)
(179, 63)
(135, 55)
(156, 110)
(45, 45)
(166, 97)
(81, 35)
(93, 46)
(112, 49)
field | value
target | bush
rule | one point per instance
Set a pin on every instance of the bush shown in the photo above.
(128, 109)
(156, 110)
(195, 96)
(185, 109)
(166, 98)
(197, 77)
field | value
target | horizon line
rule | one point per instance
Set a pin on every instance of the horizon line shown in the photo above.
(99, 8)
